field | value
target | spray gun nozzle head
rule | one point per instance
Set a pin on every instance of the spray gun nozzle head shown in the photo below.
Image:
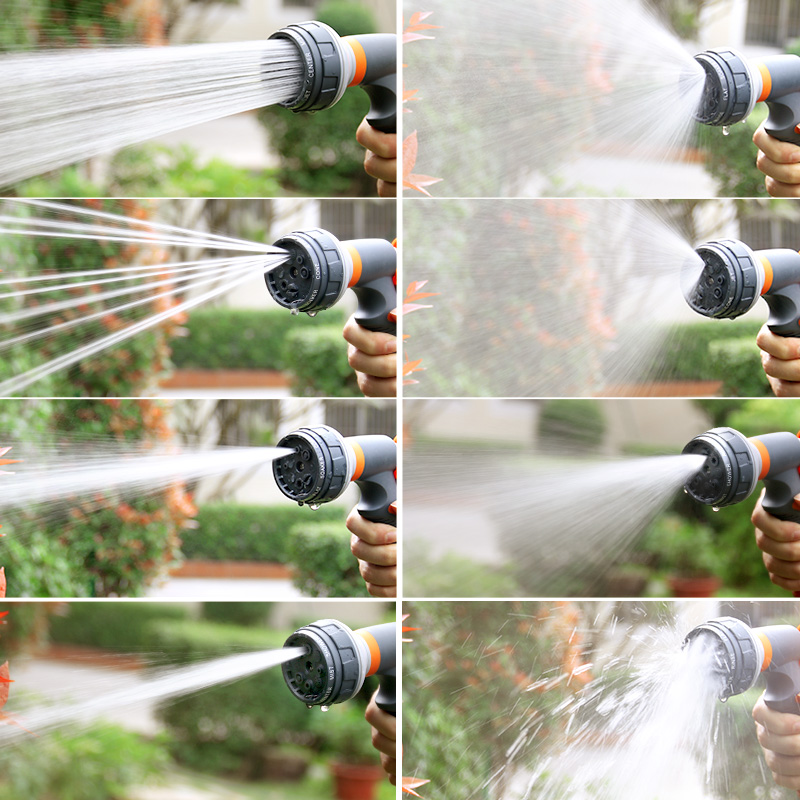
(321, 52)
(316, 471)
(729, 281)
(331, 670)
(734, 657)
(728, 94)
(313, 277)
(728, 474)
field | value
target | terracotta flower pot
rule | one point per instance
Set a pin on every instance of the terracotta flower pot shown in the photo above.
(703, 586)
(356, 781)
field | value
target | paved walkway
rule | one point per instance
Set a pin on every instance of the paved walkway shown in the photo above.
(224, 589)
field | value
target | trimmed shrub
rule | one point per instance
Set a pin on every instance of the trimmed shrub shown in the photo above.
(322, 561)
(684, 354)
(121, 627)
(229, 531)
(238, 338)
(237, 613)
(737, 362)
(319, 363)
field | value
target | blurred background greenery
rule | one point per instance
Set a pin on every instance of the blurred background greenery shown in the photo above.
(246, 739)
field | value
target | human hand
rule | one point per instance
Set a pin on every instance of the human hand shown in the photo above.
(780, 358)
(373, 355)
(780, 162)
(779, 737)
(374, 544)
(779, 542)
(380, 160)
(384, 737)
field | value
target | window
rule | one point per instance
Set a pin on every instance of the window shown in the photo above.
(772, 22)
(359, 219)
(356, 419)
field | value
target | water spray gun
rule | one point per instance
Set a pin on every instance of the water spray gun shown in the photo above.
(323, 463)
(733, 86)
(734, 464)
(334, 62)
(734, 277)
(320, 269)
(337, 660)
(742, 653)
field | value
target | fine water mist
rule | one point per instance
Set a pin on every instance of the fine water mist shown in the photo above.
(558, 523)
(550, 298)
(536, 85)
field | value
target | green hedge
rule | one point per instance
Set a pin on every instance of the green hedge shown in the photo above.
(322, 561)
(238, 338)
(738, 365)
(230, 531)
(118, 626)
(226, 728)
(686, 354)
(247, 613)
(319, 363)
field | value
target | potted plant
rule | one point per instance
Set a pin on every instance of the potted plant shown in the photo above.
(686, 551)
(355, 765)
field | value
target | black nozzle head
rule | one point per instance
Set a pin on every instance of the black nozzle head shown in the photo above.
(317, 471)
(321, 52)
(313, 278)
(729, 281)
(331, 670)
(733, 658)
(728, 90)
(728, 474)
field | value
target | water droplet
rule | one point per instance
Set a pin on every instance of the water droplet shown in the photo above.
(715, 508)
(308, 705)
(314, 506)
(685, 490)
(294, 312)
(312, 313)
(324, 708)
(726, 129)
(723, 699)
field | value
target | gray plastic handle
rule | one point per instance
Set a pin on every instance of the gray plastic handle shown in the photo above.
(781, 481)
(783, 673)
(375, 288)
(782, 294)
(783, 98)
(376, 480)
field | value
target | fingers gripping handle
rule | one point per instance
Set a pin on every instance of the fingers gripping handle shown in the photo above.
(375, 477)
(374, 269)
(376, 67)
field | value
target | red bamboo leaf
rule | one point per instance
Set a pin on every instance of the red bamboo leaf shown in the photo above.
(410, 150)
(418, 16)
(9, 720)
(408, 368)
(410, 94)
(409, 784)
(409, 308)
(2, 581)
(5, 680)
(418, 181)
(414, 37)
